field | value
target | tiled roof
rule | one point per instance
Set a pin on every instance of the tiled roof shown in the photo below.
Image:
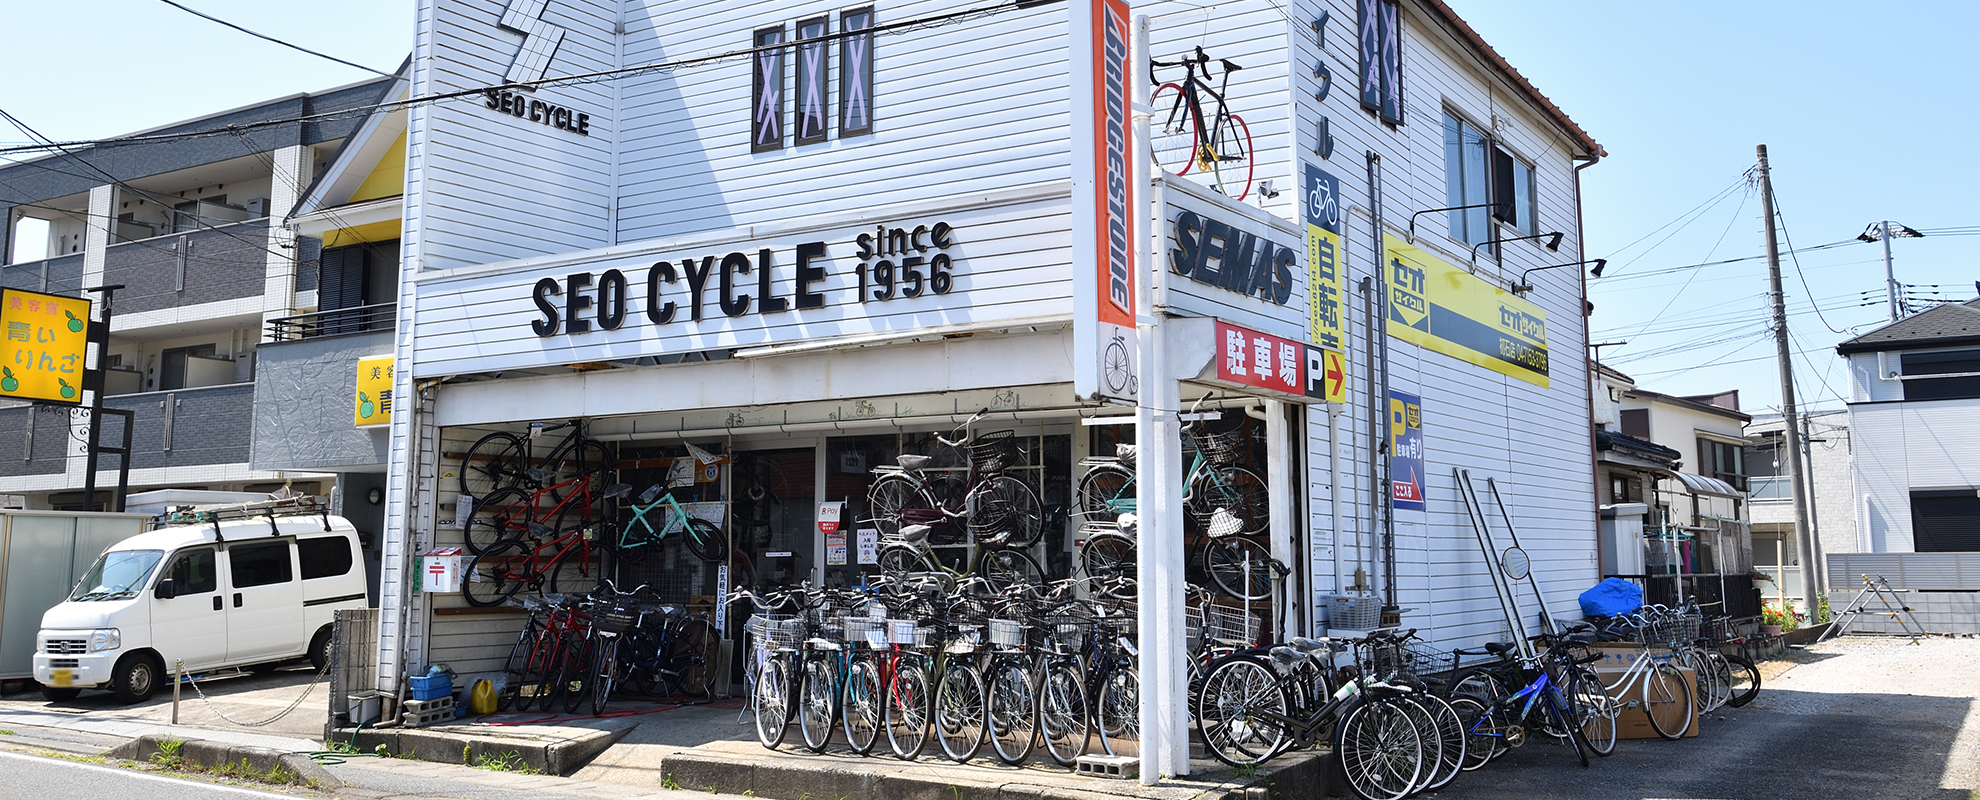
(1947, 325)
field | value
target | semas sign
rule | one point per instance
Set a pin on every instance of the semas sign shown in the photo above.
(1213, 252)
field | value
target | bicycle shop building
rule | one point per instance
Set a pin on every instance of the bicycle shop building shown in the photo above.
(763, 250)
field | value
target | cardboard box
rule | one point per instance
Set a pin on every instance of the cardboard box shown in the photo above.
(1632, 723)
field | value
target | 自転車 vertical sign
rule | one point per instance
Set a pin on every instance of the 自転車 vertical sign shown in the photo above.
(1104, 204)
(46, 346)
(1406, 450)
(1326, 284)
(374, 391)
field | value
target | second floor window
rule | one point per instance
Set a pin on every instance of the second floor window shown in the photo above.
(1963, 363)
(1480, 172)
(1722, 460)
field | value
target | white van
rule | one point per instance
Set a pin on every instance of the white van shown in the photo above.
(246, 591)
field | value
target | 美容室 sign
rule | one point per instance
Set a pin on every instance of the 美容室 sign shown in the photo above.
(374, 391)
(47, 341)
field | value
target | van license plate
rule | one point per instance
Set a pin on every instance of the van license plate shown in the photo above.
(63, 678)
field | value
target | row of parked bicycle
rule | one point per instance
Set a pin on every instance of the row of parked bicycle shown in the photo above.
(576, 651)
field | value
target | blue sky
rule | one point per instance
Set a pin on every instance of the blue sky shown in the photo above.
(1868, 114)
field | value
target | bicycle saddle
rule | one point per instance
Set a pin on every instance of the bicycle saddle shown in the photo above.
(540, 475)
(912, 462)
(1490, 649)
(618, 490)
(1287, 656)
(1306, 645)
(915, 534)
(821, 644)
(1125, 452)
(646, 497)
(996, 540)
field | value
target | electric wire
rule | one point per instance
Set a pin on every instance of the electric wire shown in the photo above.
(263, 36)
(1693, 275)
(1781, 214)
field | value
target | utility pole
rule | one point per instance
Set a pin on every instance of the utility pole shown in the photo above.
(1792, 425)
(1890, 276)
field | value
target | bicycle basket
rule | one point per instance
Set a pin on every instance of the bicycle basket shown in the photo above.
(1222, 449)
(908, 633)
(994, 451)
(1224, 625)
(964, 639)
(867, 632)
(775, 631)
(616, 618)
(1007, 632)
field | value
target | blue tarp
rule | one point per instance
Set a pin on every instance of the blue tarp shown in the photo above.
(1612, 597)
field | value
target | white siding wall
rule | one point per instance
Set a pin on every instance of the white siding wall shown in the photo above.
(1903, 446)
(1535, 441)
(1868, 385)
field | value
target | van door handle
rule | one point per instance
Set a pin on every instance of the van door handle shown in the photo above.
(216, 602)
(237, 599)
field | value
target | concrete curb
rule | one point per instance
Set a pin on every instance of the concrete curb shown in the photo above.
(215, 755)
(786, 776)
(554, 754)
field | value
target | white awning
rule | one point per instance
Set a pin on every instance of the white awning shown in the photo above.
(1699, 484)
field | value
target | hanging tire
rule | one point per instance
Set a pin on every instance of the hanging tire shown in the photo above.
(1105, 491)
(496, 461)
(1109, 562)
(1003, 569)
(1240, 567)
(496, 575)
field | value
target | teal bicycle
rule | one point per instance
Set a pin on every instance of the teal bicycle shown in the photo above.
(640, 536)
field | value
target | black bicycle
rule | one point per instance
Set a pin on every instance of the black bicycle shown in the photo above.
(1195, 136)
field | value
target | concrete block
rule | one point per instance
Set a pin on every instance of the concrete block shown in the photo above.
(216, 755)
(933, 787)
(698, 772)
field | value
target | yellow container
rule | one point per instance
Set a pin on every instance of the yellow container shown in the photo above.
(481, 697)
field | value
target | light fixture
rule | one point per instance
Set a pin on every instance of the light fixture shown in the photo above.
(1553, 242)
(1522, 287)
(1412, 217)
(376, 495)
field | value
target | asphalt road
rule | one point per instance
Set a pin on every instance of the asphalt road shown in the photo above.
(1859, 718)
(31, 777)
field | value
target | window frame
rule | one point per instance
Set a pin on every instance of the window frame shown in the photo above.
(183, 590)
(1458, 191)
(234, 563)
(308, 559)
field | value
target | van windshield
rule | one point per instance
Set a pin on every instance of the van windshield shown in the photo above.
(117, 575)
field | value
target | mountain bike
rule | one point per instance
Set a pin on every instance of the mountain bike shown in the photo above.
(1188, 137)
(502, 460)
(639, 536)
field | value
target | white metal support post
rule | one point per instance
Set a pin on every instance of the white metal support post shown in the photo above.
(1159, 558)
(1278, 488)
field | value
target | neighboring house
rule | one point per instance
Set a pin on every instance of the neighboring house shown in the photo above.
(1679, 463)
(1826, 451)
(1914, 409)
(193, 229)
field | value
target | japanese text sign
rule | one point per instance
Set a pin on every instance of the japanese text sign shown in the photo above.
(1264, 361)
(1406, 450)
(1326, 280)
(46, 344)
(1446, 309)
(374, 391)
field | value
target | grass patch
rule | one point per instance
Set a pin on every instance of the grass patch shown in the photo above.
(1246, 770)
(168, 755)
(5, 732)
(511, 761)
(169, 758)
(668, 782)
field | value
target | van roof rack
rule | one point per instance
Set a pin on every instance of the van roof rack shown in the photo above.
(297, 505)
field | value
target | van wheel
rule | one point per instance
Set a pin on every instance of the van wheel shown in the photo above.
(319, 649)
(59, 695)
(135, 678)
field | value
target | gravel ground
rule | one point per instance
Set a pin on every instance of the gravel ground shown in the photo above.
(1854, 718)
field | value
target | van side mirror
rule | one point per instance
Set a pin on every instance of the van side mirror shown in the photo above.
(164, 590)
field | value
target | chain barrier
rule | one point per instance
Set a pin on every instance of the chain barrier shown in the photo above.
(271, 720)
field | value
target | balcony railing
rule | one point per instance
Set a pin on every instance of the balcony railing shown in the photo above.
(357, 319)
(59, 275)
(229, 262)
(1769, 487)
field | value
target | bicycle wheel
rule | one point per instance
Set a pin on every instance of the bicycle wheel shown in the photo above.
(818, 699)
(1230, 157)
(1380, 751)
(1667, 701)
(541, 674)
(1106, 489)
(1598, 710)
(772, 699)
(959, 710)
(515, 669)
(1004, 504)
(1484, 740)
(604, 673)
(1720, 670)
(1238, 711)
(1012, 710)
(705, 540)
(574, 677)
(497, 574)
(1241, 567)
(1452, 743)
(574, 571)
(1566, 715)
(860, 707)
(641, 650)
(1236, 490)
(496, 461)
(503, 515)
(1744, 684)
(1172, 132)
(1108, 558)
(692, 653)
(892, 497)
(1062, 717)
(1118, 712)
(1006, 568)
(907, 708)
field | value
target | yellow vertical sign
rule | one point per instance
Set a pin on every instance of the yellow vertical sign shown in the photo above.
(47, 342)
(374, 391)
(1326, 281)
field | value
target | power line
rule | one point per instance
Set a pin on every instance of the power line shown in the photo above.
(266, 37)
(1694, 273)
(1798, 274)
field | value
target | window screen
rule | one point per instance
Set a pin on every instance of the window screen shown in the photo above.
(1945, 521)
(324, 556)
(193, 573)
(261, 564)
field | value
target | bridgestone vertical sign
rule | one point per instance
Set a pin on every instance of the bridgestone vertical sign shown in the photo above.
(1104, 202)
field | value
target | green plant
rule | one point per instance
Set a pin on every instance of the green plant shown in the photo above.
(1822, 613)
(1251, 770)
(5, 732)
(668, 782)
(168, 755)
(511, 761)
(1783, 616)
